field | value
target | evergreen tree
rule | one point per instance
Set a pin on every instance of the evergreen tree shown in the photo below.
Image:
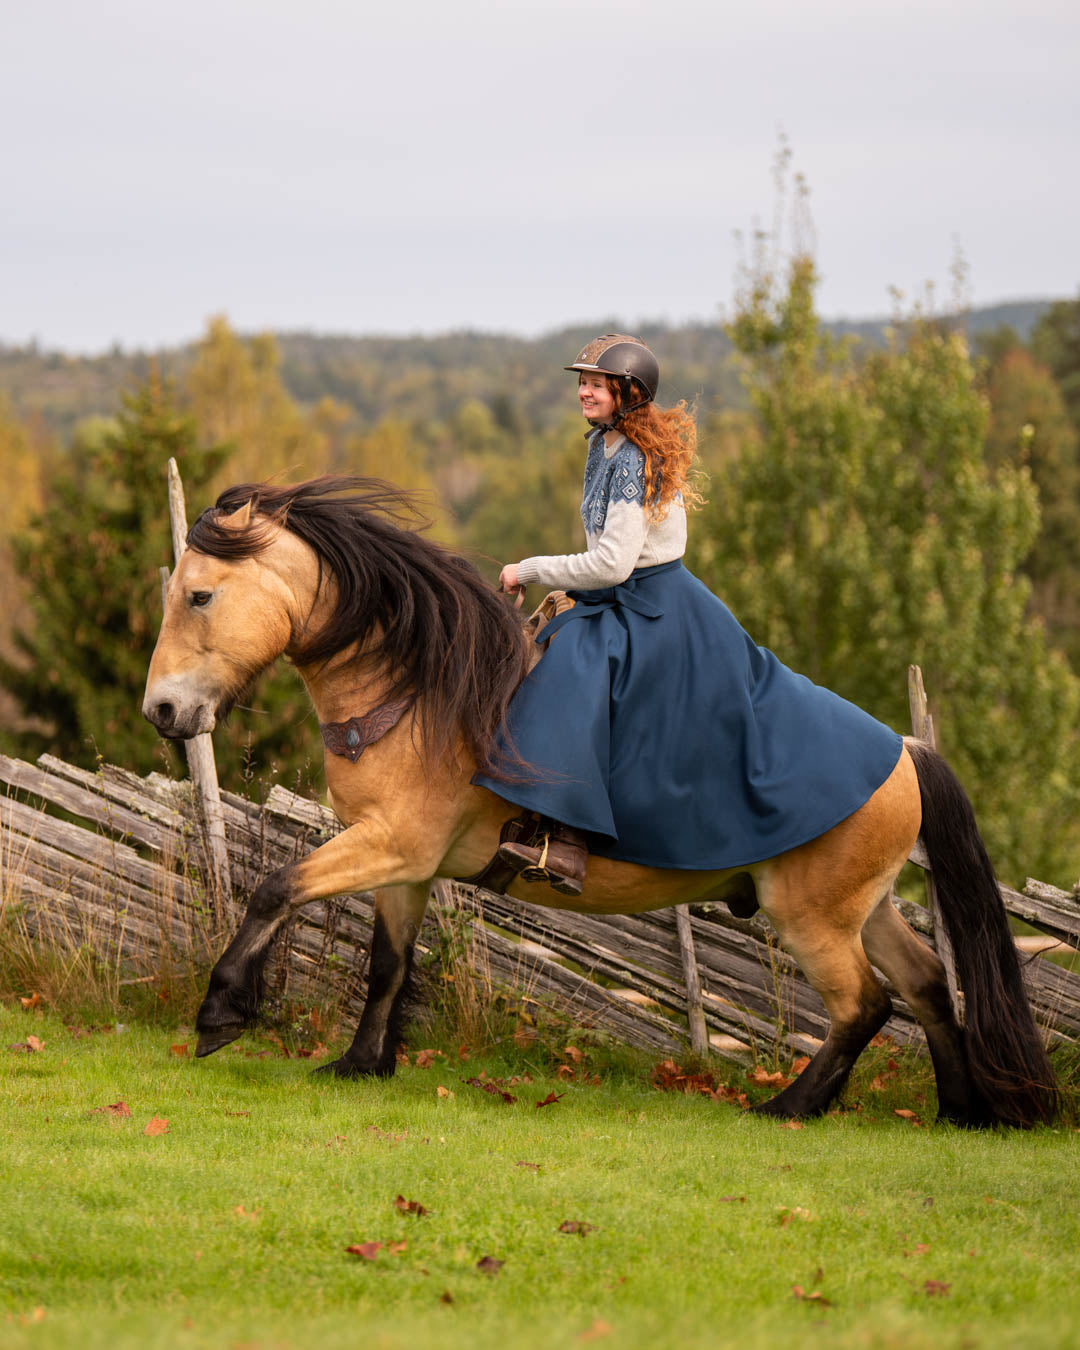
(90, 563)
(1055, 342)
(1029, 424)
(862, 530)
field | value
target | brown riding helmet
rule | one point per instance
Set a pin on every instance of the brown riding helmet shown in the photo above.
(623, 356)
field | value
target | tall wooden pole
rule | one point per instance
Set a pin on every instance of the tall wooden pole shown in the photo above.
(922, 727)
(695, 1009)
(200, 749)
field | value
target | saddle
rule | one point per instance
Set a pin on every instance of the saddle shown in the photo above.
(553, 604)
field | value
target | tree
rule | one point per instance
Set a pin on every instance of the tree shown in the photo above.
(235, 393)
(1055, 342)
(863, 530)
(1029, 425)
(91, 562)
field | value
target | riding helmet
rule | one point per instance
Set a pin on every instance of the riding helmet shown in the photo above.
(623, 356)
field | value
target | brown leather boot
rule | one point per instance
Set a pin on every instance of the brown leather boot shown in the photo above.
(558, 859)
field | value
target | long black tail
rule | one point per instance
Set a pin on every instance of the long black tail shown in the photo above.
(1006, 1057)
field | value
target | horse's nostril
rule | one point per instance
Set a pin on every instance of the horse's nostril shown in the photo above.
(164, 715)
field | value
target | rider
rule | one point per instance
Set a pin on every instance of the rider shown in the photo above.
(655, 731)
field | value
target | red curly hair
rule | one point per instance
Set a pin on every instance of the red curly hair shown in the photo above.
(667, 437)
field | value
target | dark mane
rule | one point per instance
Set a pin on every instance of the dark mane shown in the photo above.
(446, 637)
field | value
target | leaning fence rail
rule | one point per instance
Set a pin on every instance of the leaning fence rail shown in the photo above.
(135, 873)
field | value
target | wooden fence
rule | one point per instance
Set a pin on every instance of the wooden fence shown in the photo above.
(127, 868)
(159, 865)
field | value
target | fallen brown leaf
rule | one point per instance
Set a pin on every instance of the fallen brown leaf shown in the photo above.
(741, 1199)
(533, 1167)
(936, 1289)
(552, 1098)
(116, 1109)
(573, 1054)
(598, 1329)
(463, 1052)
(366, 1250)
(816, 1297)
(180, 1049)
(32, 1002)
(791, 1125)
(410, 1206)
(441, 1091)
(797, 1065)
(489, 1265)
(426, 1058)
(157, 1125)
(763, 1078)
(566, 1073)
(396, 1248)
(446, 1296)
(576, 1226)
(905, 1114)
(489, 1088)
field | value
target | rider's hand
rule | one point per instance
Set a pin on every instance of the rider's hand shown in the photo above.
(508, 582)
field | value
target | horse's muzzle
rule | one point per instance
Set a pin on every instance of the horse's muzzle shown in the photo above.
(174, 719)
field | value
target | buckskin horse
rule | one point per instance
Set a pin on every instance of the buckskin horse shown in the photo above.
(410, 659)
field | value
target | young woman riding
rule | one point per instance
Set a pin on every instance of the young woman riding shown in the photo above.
(653, 730)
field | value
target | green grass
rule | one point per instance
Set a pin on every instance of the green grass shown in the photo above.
(231, 1228)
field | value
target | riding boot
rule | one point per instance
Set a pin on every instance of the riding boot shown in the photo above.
(558, 859)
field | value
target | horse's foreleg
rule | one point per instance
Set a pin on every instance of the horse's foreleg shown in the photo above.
(367, 855)
(236, 982)
(919, 975)
(399, 912)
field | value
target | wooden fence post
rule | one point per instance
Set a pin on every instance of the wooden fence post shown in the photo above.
(695, 1009)
(200, 749)
(922, 727)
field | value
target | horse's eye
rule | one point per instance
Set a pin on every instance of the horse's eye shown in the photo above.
(201, 598)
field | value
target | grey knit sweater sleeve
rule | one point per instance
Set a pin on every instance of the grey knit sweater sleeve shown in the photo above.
(619, 533)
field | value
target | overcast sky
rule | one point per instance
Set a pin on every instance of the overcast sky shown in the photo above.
(416, 166)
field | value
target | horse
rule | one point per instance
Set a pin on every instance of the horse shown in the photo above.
(410, 659)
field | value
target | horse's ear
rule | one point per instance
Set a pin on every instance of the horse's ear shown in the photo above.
(240, 519)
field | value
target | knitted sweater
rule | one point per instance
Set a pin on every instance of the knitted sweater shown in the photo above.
(619, 535)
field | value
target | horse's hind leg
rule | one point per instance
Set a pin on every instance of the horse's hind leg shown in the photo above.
(919, 976)
(399, 912)
(858, 1007)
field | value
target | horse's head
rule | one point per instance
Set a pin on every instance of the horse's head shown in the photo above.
(228, 614)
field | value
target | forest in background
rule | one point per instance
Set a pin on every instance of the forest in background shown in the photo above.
(875, 496)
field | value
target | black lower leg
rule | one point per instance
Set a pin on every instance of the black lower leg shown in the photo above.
(959, 1100)
(824, 1077)
(236, 982)
(374, 1047)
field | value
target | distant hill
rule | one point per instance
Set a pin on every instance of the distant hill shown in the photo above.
(1019, 315)
(426, 377)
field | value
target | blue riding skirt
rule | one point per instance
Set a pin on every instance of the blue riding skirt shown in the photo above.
(653, 723)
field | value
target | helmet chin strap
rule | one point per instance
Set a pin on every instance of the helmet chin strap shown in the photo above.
(613, 425)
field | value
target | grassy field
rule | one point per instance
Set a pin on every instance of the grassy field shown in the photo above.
(697, 1224)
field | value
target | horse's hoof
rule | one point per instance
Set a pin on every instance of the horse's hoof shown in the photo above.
(217, 1038)
(342, 1068)
(776, 1109)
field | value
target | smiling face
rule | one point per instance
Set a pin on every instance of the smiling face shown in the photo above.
(595, 396)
